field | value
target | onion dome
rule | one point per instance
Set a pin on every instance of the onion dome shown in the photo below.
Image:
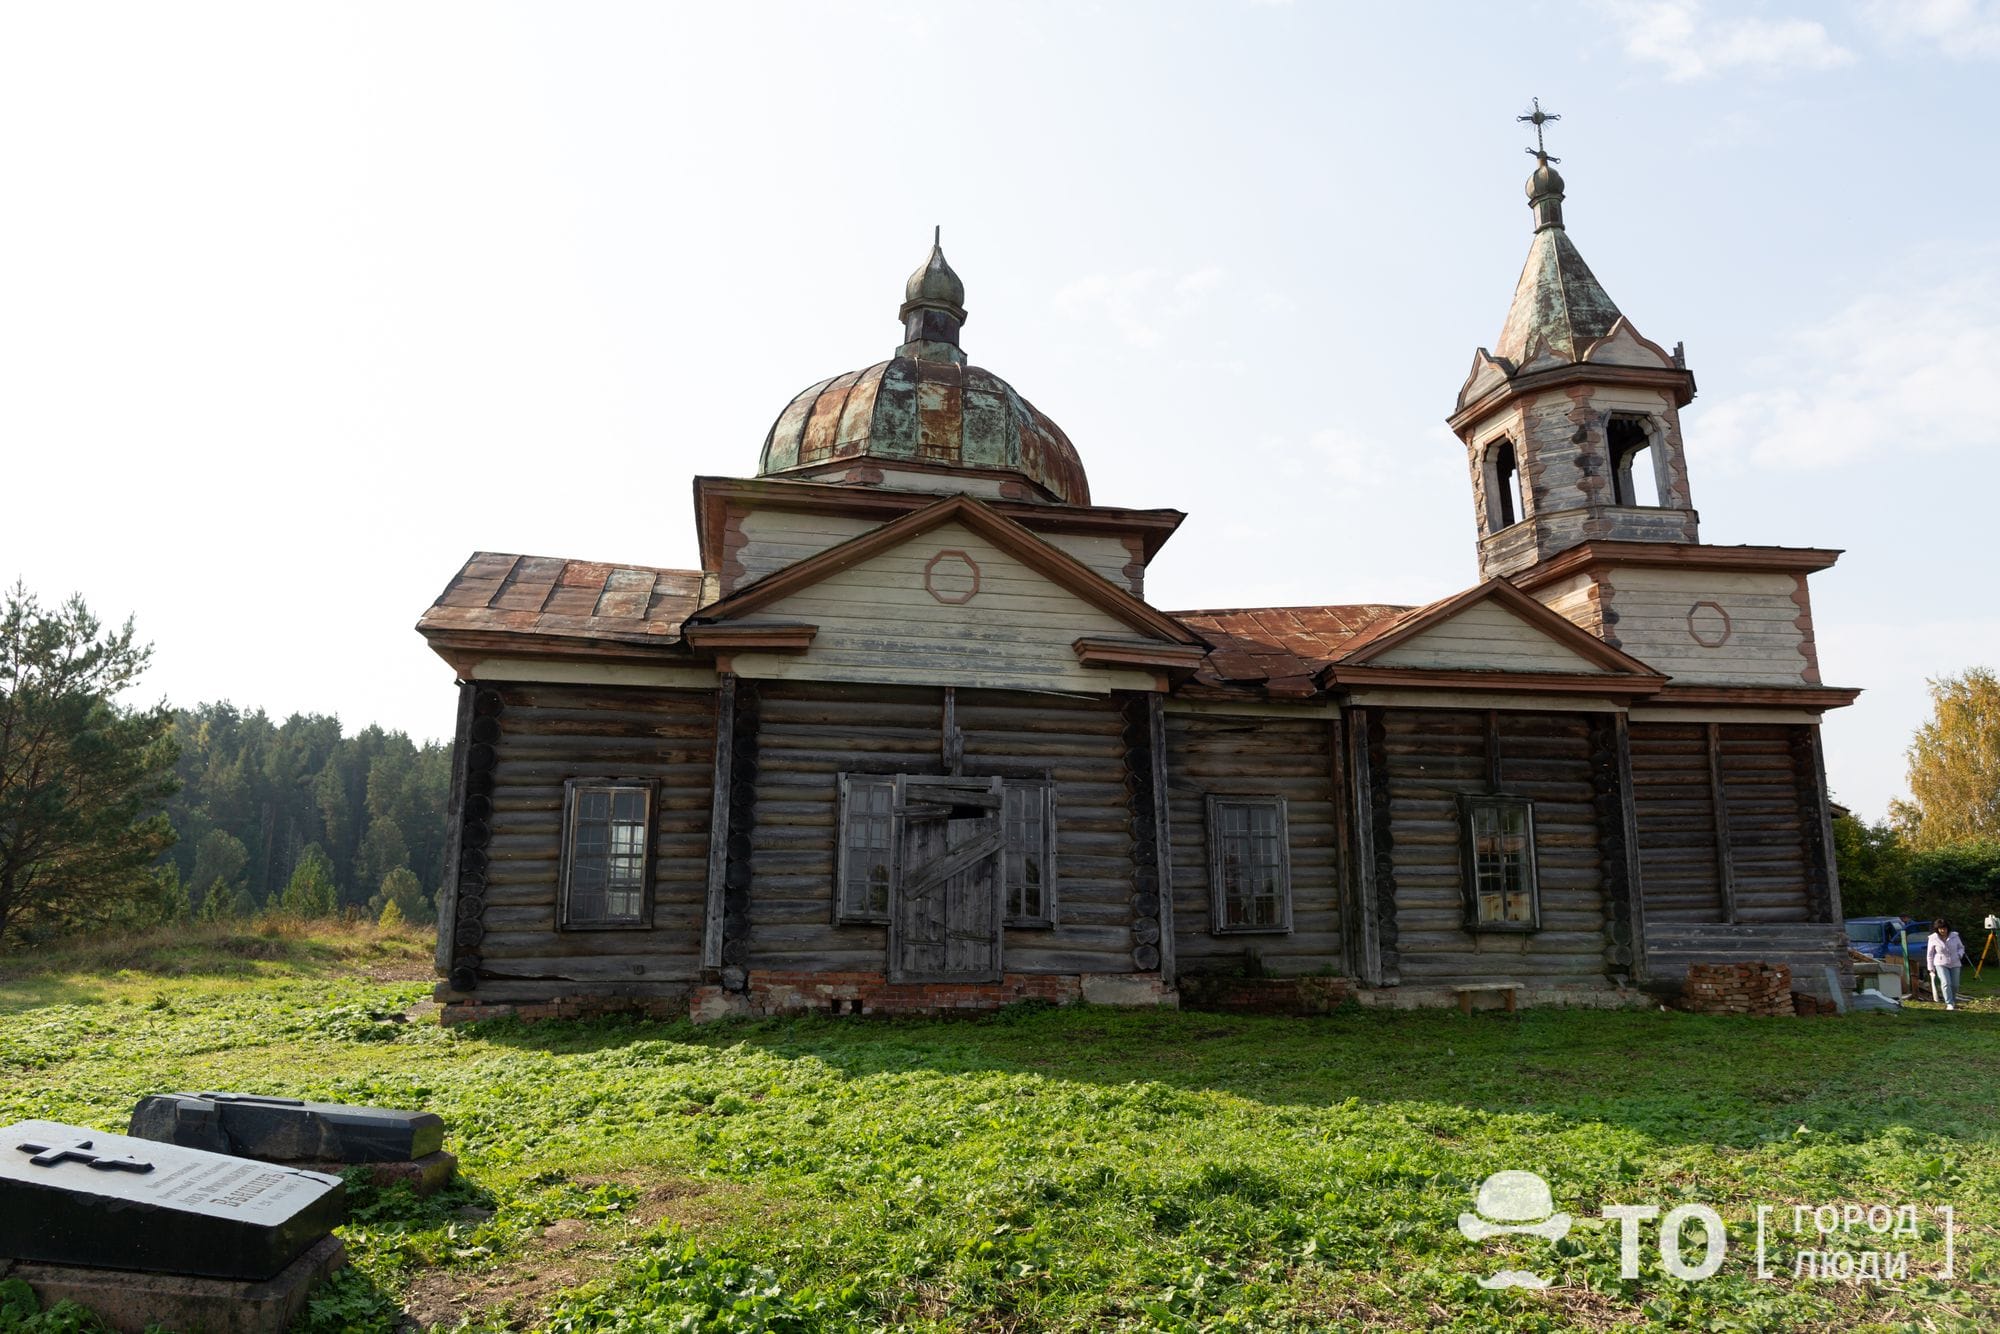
(1546, 184)
(925, 409)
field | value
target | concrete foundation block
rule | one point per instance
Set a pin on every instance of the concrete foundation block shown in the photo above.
(129, 1302)
(1124, 990)
(709, 1004)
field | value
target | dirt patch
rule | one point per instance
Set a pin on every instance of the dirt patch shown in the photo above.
(566, 1254)
(402, 970)
(675, 1201)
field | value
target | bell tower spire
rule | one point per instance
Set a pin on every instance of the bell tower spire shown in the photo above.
(1571, 423)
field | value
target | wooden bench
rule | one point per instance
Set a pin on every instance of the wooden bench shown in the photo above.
(1510, 993)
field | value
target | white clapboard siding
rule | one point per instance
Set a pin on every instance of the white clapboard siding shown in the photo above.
(1765, 642)
(877, 622)
(1489, 636)
(1571, 599)
(1106, 556)
(773, 539)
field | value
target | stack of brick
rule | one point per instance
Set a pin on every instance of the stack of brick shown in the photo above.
(1805, 1005)
(1738, 988)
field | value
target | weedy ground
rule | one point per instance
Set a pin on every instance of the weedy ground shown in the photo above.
(1046, 1169)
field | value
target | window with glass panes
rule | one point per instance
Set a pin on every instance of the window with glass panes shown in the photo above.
(604, 855)
(1500, 864)
(867, 845)
(1250, 864)
(1029, 834)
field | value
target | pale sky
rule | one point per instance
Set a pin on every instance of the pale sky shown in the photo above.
(300, 305)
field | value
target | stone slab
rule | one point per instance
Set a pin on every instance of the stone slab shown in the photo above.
(130, 1303)
(425, 1175)
(253, 1125)
(74, 1196)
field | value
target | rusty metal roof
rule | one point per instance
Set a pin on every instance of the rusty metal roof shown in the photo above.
(548, 596)
(1280, 650)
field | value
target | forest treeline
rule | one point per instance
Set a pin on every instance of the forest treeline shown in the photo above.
(262, 804)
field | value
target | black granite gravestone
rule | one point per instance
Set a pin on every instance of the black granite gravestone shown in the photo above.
(82, 1197)
(287, 1129)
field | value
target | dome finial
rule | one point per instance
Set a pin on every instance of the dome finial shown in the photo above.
(1545, 187)
(933, 308)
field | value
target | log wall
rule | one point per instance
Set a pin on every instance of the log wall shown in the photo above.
(1430, 757)
(550, 733)
(810, 733)
(1734, 858)
(1724, 822)
(1219, 755)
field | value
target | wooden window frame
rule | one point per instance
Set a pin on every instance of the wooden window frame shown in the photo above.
(844, 913)
(649, 788)
(1468, 803)
(1219, 891)
(1046, 919)
(897, 783)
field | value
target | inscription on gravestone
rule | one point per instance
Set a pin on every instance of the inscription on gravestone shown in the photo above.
(287, 1129)
(83, 1197)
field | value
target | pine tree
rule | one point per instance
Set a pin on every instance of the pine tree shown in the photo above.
(311, 892)
(219, 862)
(81, 776)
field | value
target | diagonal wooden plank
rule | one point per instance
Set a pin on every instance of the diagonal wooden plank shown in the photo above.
(961, 858)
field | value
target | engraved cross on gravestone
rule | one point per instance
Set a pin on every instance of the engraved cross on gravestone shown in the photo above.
(79, 1150)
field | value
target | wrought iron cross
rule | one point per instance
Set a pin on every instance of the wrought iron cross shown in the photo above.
(1539, 118)
(48, 1155)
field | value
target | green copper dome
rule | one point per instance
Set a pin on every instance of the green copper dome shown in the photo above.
(926, 409)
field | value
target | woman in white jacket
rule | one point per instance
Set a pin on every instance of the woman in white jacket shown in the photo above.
(1944, 954)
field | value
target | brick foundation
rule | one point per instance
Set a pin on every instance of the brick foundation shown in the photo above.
(1265, 995)
(563, 1007)
(1738, 988)
(774, 992)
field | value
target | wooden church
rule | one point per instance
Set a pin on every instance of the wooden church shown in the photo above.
(911, 737)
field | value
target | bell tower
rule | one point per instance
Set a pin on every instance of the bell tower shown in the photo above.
(1571, 424)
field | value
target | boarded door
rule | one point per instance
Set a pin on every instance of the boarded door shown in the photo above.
(944, 925)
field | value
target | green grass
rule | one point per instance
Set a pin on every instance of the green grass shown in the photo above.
(1041, 1169)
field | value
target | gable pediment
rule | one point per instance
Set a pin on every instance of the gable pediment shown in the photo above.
(1487, 637)
(1493, 628)
(954, 594)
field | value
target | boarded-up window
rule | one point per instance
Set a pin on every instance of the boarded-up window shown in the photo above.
(868, 839)
(1500, 886)
(606, 861)
(867, 846)
(1249, 864)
